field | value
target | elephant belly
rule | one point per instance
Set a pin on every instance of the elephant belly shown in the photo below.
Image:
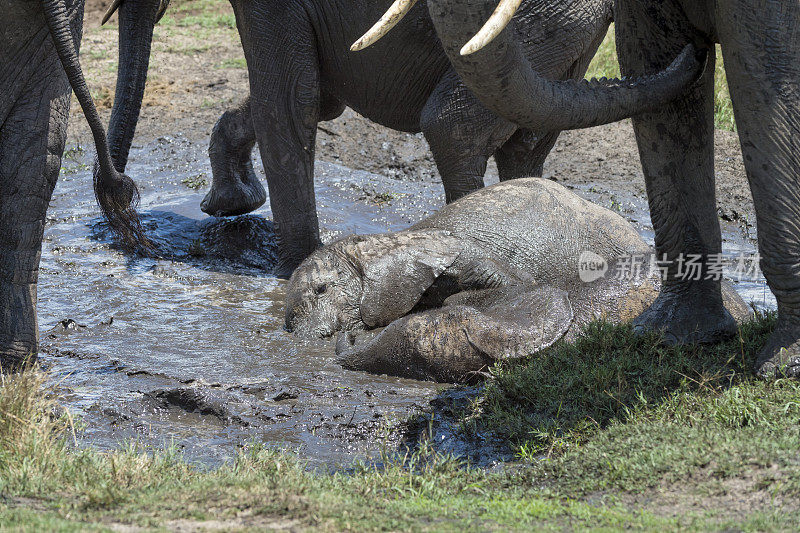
(389, 82)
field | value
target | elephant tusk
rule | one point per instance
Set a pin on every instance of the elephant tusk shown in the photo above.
(110, 11)
(496, 23)
(389, 20)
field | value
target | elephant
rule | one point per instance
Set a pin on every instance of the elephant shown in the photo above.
(501, 273)
(760, 42)
(39, 69)
(302, 72)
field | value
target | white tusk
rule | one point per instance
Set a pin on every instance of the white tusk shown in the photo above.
(110, 11)
(496, 23)
(388, 21)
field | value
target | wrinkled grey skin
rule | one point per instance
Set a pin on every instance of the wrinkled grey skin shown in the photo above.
(302, 72)
(38, 70)
(760, 42)
(491, 276)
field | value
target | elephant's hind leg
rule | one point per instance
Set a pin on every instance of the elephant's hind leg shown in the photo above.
(676, 144)
(762, 60)
(31, 143)
(523, 155)
(462, 135)
(281, 51)
(235, 188)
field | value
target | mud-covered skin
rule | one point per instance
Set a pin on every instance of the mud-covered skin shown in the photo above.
(527, 229)
(760, 42)
(456, 343)
(38, 70)
(474, 283)
(477, 328)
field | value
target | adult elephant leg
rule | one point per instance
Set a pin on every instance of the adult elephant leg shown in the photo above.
(761, 45)
(31, 143)
(280, 49)
(462, 134)
(523, 155)
(676, 145)
(235, 188)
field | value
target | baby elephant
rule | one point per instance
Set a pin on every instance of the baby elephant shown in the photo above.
(501, 273)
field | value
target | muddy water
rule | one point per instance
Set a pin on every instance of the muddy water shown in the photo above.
(188, 348)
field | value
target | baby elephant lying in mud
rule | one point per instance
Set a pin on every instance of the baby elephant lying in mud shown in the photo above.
(494, 275)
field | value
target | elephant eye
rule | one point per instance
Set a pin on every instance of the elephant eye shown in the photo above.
(320, 289)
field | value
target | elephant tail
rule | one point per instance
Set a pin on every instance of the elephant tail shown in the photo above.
(116, 193)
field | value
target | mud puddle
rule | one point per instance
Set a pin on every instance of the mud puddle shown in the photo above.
(189, 348)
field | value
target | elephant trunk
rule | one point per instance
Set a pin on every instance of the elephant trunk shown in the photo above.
(116, 193)
(503, 79)
(137, 19)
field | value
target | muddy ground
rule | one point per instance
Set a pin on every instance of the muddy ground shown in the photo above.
(188, 347)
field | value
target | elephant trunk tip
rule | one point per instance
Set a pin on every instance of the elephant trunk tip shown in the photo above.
(118, 198)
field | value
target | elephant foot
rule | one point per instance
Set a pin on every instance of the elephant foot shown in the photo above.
(237, 193)
(292, 252)
(687, 318)
(781, 355)
(287, 265)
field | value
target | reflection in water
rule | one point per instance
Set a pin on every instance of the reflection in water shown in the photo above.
(189, 346)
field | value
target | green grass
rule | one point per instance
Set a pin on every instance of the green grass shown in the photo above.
(209, 21)
(44, 483)
(205, 20)
(234, 62)
(190, 50)
(618, 411)
(608, 428)
(605, 65)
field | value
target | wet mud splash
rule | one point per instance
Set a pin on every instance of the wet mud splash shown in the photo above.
(188, 347)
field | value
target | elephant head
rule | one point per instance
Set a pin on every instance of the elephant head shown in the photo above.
(116, 193)
(494, 67)
(363, 282)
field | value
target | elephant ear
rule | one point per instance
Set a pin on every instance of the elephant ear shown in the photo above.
(397, 269)
(515, 321)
